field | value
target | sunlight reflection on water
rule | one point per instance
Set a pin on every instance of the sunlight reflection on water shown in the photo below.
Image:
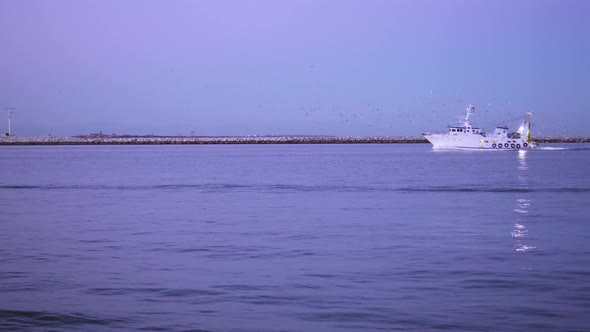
(522, 207)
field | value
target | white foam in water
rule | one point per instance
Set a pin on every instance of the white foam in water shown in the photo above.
(551, 148)
(525, 248)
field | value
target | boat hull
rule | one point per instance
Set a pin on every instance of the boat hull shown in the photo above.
(476, 142)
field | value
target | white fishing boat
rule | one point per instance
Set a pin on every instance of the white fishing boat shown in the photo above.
(465, 136)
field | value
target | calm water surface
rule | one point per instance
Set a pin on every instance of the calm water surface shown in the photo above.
(294, 238)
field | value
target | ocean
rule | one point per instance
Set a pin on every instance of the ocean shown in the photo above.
(364, 237)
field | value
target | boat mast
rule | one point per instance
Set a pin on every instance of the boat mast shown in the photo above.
(526, 125)
(470, 110)
(528, 132)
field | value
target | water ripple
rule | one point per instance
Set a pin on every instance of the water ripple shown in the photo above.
(164, 292)
(14, 319)
(214, 187)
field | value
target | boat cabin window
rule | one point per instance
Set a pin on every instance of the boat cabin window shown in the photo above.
(453, 130)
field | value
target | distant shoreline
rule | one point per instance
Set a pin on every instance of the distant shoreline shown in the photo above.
(157, 140)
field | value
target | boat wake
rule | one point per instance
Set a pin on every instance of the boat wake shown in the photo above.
(552, 148)
(560, 148)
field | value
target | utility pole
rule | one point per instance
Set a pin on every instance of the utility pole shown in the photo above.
(9, 109)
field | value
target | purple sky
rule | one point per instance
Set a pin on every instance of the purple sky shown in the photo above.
(292, 67)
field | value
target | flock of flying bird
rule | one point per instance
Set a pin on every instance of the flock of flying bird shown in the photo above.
(386, 117)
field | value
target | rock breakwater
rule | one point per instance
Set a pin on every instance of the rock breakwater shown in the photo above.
(77, 140)
(55, 140)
